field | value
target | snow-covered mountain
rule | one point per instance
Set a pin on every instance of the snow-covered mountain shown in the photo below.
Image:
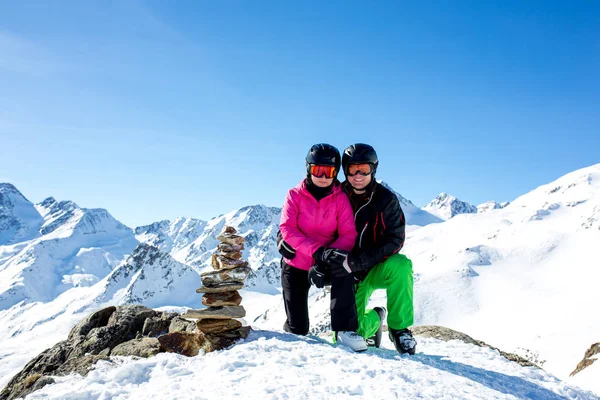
(19, 220)
(446, 206)
(171, 237)
(74, 247)
(192, 242)
(414, 215)
(153, 278)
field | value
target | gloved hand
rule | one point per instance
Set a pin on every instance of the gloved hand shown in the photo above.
(330, 255)
(317, 275)
(284, 248)
(344, 268)
(340, 261)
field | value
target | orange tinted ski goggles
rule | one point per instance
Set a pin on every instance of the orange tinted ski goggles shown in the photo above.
(328, 171)
(363, 169)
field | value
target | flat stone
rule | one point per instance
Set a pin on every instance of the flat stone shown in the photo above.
(245, 331)
(230, 238)
(215, 278)
(185, 343)
(211, 325)
(228, 248)
(229, 229)
(234, 255)
(214, 262)
(222, 299)
(225, 287)
(224, 340)
(227, 263)
(216, 313)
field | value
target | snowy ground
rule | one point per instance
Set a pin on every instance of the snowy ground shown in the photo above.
(274, 365)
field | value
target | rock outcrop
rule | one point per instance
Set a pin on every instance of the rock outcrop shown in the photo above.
(591, 355)
(446, 334)
(129, 330)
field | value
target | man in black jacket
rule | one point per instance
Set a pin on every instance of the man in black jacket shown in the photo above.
(375, 261)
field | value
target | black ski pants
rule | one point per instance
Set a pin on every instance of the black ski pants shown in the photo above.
(295, 284)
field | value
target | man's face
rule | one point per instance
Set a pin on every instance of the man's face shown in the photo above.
(359, 181)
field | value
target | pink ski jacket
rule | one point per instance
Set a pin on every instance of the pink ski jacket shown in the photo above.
(307, 224)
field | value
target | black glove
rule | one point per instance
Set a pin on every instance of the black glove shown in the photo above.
(340, 261)
(317, 275)
(330, 255)
(284, 248)
(344, 268)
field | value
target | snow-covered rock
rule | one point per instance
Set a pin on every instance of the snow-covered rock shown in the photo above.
(446, 206)
(491, 205)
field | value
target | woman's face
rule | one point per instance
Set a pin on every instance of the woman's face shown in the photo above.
(322, 181)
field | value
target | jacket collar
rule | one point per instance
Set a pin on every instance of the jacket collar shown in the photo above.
(304, 190)
(350, 191)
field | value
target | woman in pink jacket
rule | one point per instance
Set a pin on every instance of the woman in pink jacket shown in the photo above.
(317, 219)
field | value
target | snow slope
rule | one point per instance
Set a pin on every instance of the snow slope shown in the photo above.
(273, 365)
(522, 277)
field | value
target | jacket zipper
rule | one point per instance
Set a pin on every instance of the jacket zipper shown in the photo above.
(356, 214)
(361, 235)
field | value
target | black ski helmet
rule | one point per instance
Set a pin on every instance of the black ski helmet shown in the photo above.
(359, 153)
(323, 154)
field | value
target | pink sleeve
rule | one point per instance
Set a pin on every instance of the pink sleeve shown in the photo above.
(346, 227)
(289, 228)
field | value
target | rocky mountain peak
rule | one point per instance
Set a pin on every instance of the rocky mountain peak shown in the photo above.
(19, 220)
(446, 206)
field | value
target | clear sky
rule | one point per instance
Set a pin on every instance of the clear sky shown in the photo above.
(158, 109)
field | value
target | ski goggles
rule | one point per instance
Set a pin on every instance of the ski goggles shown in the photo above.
(363, 169)
(328, 171)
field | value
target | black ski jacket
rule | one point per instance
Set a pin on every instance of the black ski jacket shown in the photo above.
(380, 225)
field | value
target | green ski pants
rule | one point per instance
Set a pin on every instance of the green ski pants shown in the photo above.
(395, 275)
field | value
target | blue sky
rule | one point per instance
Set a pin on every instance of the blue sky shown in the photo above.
(156, 109)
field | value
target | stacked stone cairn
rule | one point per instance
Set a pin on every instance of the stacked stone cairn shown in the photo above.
(219, 321)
